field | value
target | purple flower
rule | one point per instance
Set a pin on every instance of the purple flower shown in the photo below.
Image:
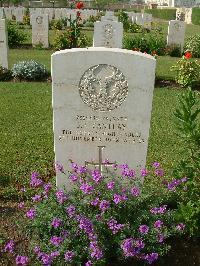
(73, 177)
(71, 210)
(180, 227)
(144, 172)
(151, 257)
(86, 188)
(96, 176)
(117, 198)
(160, 238)
(135, 191)
(114, 226)
(144, 229)
(96, 252)
(22, 260)
(61, 196)
(159, 210)
(86, 225)
(74, 167)
(156, 165)
(35, 181)
(82, 170)
(159, 172)
(56, 240)
(132, 247)
(31, 214)
(47, 187)
(9, 247)
(69, 256)
(56, 222)
(46, 259)
(37, 249)
(36, 198)
(158, 224)
(111, 185)
(95, 202)
(59, 167)
(104, 205)
(21, 205)
(88, 263)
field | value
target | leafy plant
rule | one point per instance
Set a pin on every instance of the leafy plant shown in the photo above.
(29, 70)
(5, 74)
(105, 218)
(192, 45)
(187, 71)
(188, 126)
(15, 37)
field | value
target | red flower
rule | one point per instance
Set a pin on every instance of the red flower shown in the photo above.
(188, 55)
(78, 14)
(79, 5)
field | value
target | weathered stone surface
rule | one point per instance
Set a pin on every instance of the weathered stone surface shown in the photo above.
(3, 44)
(176, 33)
(40, 30)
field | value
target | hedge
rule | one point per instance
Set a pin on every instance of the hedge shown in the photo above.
(196, 15)
(166, 14)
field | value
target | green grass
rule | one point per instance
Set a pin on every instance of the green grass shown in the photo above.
(27, 135)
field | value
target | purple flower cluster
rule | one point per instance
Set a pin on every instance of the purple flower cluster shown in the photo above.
(86, 188)
(96, 176)
(69, 255)
(56, 240)
(46, 259)
(9, 247)
(21, 205)
(71, 210)
(47, 187)
(96, 252)
(126, 171)
(30, 214)
(132, 247)
(110, 185)
(22, 260)
(86, 225)
(180, 227)
(135, 191)
(73, 177)
(158, 224)
(175, 183)
(144, 172)
(59, 167)
(114, 226)
(95, 202)
(61, 196)
(159, 210)
(56, 222)
(151, 257)
(104, 205)
(36, 198)
(144, 229)
(35, 181)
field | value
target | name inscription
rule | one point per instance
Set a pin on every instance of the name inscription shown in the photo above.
(101, 129)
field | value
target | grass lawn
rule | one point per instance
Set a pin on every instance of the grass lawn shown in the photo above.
(27, 136)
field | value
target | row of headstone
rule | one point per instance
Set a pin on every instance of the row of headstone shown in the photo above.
(3, 44)
(9, 12)
(142, 19)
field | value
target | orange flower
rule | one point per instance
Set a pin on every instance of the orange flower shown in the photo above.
(188, 55)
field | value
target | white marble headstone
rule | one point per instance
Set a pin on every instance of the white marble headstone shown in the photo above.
(40, 30)
(3, 44)
(101, 97)
(176, 33)
(139, 19)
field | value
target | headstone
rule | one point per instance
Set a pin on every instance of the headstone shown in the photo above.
(109, 16)
(108, 33)
(139, 19)
(3, 44)
(19, 14)
(101, 97)
(40, 30)
(176, 33)
(188, 15)
(8, 13)
(147, 20)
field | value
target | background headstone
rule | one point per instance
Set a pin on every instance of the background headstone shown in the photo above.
(101, 97)
(40, 30)
(176, 33)
(3, 44)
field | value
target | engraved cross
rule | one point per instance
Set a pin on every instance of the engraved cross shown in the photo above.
(100, 164)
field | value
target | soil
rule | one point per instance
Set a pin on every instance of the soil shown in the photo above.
(184, 252)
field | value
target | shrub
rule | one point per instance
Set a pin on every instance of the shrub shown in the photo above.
(134, 28)
(124, 18)
(173, 50)
(29, 70)
(166, 14)
(107, 218)
(89, 24)
(150, 43)
(57, 24)
(187, 71)
(196, 15)
(192, 45)
(15, 37)
(5, 74)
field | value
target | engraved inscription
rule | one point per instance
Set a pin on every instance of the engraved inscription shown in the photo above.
(108, 34)
(39, 20)
(103, 87)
